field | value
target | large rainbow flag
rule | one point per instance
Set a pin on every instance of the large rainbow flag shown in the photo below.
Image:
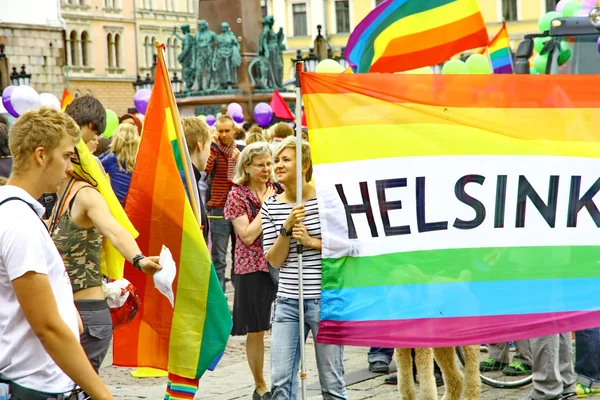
(400, 35)
(455, 210)
(187, 339)
(500, 53)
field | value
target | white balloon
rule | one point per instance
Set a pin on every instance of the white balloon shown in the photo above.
(49, 100)
(24, 98)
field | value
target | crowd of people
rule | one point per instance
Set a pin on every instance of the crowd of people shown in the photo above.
(54, 221)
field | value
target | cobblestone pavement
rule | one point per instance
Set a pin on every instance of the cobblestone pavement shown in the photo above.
(232, 378)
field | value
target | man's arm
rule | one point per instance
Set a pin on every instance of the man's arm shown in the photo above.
(98, 212)
(59, 341)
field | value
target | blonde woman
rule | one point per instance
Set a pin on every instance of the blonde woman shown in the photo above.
(119, 164)
(255, 137)
(254, 289)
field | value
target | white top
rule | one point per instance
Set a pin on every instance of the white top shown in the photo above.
(25, 245)
(274, 213)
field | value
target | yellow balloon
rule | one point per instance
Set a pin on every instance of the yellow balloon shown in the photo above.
(418, 71)
(202, 117)
(329, 66)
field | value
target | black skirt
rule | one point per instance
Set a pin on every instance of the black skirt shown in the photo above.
(254, 294)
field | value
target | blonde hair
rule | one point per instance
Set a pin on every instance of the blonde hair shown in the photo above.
(225, 118)
(290, 143)
(3, 181)
(242, 177)
(195, 130)
(282, 130)
(255, 137)
(125, 145)
(39, 128)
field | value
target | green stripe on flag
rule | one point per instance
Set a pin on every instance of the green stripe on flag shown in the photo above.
(462, 265)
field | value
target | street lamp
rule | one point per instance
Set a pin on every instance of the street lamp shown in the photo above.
(311, 61)
(24, 77)
(138, 84)
(176, 83)
(148, 83)
(341, 60)
(14, 77)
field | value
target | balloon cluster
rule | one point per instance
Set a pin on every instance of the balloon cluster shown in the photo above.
(17, 100)
(476, 64)
(564, 8)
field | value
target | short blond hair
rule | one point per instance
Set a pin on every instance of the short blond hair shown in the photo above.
(255, 137)
(195, 130)
(125, 145)
(242, 177)
(290, 143)
(39, 128)
(282, 130)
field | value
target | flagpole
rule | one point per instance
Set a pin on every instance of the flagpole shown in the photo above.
(487, 51)
(192, 188)
(299, 185)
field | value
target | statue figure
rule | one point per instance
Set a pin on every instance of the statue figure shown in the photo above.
(271, 47)
(204, 53)
(227, 58)
(186, 57)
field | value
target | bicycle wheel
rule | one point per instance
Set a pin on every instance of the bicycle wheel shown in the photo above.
(496, 378)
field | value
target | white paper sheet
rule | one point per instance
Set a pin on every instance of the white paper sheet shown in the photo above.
(163, 279)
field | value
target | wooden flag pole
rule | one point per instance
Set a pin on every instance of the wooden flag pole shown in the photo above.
(192, 187)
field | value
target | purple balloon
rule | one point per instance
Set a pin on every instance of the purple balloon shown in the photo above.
(141, 99)
(6, 101)
(210, 120)
(263, 114)
(238, 117)
(234, 108)
(598, 45)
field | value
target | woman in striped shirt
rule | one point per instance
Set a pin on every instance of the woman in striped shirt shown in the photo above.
(285, 226)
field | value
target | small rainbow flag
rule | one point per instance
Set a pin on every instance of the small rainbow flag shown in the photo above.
(186, 339)
(456, 220)
(500, 52)
(67, 98)
(400, 35)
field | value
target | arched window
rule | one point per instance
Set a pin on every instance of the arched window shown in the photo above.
(117, 46)
(147, 52)
(109, 48)
(84, 49)
(153, 50)
(72, 49)
(169, 53)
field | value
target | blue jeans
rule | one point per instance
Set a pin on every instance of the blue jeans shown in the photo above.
(380, 354)
(285, 352)
(221, 230)
(587, 353)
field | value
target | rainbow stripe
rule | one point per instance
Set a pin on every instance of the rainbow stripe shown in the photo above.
(500, 52)
(400, 35)
(179, 388)
(187, 339)
(455, 210)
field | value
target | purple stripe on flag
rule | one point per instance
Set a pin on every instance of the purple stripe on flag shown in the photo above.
(364, 24)
(505, 69)
(458, 331)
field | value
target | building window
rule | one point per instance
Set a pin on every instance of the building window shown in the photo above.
(509, 10)
(169, 53)
(153, 51)
(263, 8)
(147, 52)
(84, 49)
(109, 50)
(300, 23)
(73, 49)
(176, 51)
(342, 16)
(551, 5)
(117, 50)
(189, 6)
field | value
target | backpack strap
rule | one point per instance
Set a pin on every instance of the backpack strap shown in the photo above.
(29, 204)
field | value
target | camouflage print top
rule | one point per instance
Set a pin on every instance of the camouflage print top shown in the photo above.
(80, 249)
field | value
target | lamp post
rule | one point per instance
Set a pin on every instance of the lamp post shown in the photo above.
(176, 83)
(148, 82)
(14, 77)
(24, 77)
(138, 84)
(341, 59)
(311, 61)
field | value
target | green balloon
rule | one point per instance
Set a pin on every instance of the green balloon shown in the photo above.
(546, 19)
(533, 71)
(478, 64)
(112, 121)
(571, 8)
(539, 43)
(540, 62)
(565, 52)
(456, 67)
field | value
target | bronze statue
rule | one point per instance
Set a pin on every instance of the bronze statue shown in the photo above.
(271, 47)
(226, 58)
(204, 54)
(187, 57)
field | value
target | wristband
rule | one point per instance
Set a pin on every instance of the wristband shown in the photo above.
(136, 260)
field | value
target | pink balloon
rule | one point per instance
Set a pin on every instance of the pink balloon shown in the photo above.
(234, 108)
(588, 5)
(560, 5)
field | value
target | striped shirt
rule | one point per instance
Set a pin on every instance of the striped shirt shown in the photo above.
(220, 185)
(274, 213)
